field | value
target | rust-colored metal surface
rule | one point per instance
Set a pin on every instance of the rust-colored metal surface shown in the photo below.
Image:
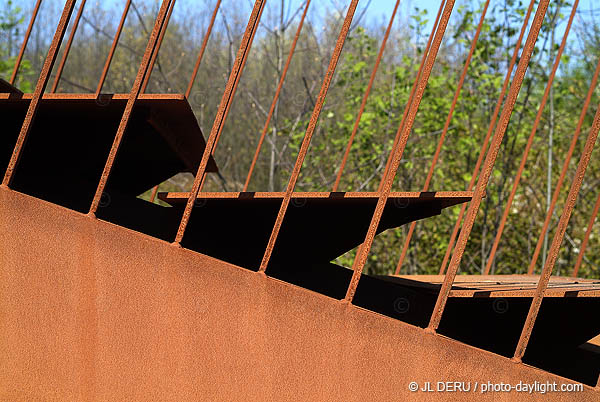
(96, 303)
(84, 319)
(507, 285)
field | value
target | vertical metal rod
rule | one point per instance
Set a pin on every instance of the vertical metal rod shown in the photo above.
(233, 92)
(154, 191)
(163, 31)
(276, 97)
(365, 98)
(586, 239)
(488, 166)
(388, 179)
(13, 77)
(538, 117)
(444, 130)
(39, 91)
(133, 96)
(488, 135)
(152, 61)
(219, 118)
(65, 55)
(558, 238)
(202, 49)
(111, 53)
(563, 172)
(308, 135)
(412, 91)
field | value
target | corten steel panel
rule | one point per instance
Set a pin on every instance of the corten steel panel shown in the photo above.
(93, 311)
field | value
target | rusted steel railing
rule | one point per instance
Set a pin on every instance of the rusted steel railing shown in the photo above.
(65, 55)
(586, 238)
(233, 92)
(388, 180)
(563, 173)
(113, 47)
(39, 91)
(409, 103)
(161, 36)
(365, 98)
(438, 149)
(133, 96)
(276, 97)
(34, 14)
(195, 71)
(484, 145)
(312, 125)
(486, 172)
(558, 238)
(538, 117)
(226, 101)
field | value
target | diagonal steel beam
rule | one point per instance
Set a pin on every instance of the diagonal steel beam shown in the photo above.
(39, 91)
(488, 166)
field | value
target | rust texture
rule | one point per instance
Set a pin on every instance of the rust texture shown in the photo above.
(586, 238)
(142, 315)
(488, 166)
(274, 103)
(65, 55)
(485, 143)
(388, 180)
(141, 320)
(39, 91)
(365, 98)
(312, 125)
(34, 14)
(226, 100)
(538, 117)
(113, 47)
(133, 96)
(438, 149)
